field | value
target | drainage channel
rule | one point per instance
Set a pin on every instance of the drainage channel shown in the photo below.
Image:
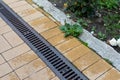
(51, 56)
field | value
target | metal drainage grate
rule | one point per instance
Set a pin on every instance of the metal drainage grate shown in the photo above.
(53, 58)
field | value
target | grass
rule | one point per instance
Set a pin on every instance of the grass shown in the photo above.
(108, 61)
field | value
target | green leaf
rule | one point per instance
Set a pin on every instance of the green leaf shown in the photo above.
(67, 34)
(73, 30)
(84, 9)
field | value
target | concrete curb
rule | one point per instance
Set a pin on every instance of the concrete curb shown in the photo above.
(100, 47)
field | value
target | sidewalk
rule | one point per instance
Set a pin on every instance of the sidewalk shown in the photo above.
(19, 62)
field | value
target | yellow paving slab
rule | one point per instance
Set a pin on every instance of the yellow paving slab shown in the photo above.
(33, 16)
(51, 33)
(58, 39)
(27, 12)
(45, 26)
(77, 52)
(10, 1)
(86, 60)
(68, 45)
(18, 4)
(112, 74)
(97, 69)
(37, 22)
(22, 8)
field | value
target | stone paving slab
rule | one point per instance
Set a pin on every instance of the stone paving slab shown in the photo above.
(23, 64)
(10, 76)
(44, 74)
(3, 44)
(16, 51)
(23, 59)
(13, 38)
(4, 69)
(1, 60)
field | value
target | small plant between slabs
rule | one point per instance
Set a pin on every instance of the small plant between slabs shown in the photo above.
(72, 30)
(84, 43)
(108, 61)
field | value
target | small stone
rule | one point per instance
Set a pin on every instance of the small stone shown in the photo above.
(68, 16)
(119, 21)
(95, 35)
(113, 42)
(54, 4)
(92, 32)
(118, 42)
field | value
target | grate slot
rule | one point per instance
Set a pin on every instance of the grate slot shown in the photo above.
(64, 70)
(48, 53)
(36, 42)
(39, 45)
(28, 35)
(51, 59)
(55, 60)
(58, 65)
(61, 67)
(22, 30)
(45, 52)
(42, 47)
(78, 78)
(51, 56)
(31, 38)
(67, 72)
